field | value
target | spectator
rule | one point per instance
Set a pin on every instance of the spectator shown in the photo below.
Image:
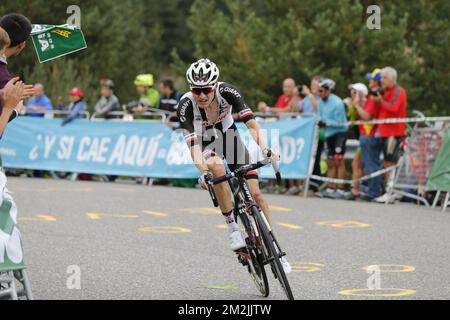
(391, 103)
(4, 42)
(169, 98)
(76, 107)
(287, 101)
(359, 106)
(10, 96)
(369, 140)
(309, 104)
(108, 101)
(18, 29)
(332, 117)
(39, 103)
(149, 97)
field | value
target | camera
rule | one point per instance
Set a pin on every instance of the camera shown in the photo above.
(300, 91)
(376, 92)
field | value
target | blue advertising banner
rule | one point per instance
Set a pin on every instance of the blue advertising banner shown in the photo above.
(137, 148)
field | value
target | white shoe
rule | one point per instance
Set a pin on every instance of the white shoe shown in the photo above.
(385, 199)
(293, 191)
(236, 241)
(286, 265)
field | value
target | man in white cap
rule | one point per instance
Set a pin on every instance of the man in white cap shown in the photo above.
(370, 142)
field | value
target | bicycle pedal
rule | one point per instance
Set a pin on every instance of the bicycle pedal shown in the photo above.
(243, 256)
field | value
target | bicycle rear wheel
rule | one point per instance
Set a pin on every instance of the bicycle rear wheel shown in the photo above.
(277, 268)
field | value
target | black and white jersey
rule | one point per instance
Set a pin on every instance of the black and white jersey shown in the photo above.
(195, 122)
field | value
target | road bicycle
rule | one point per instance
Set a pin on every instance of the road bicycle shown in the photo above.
(262, 247)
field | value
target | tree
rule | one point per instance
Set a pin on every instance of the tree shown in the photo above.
(119, 47)
(257, 45)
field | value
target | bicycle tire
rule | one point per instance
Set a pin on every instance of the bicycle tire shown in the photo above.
(276, 263)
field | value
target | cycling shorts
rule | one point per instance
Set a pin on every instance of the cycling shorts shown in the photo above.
(229, 146)
(336, 146)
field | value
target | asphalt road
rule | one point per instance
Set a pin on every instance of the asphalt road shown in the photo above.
(138, 242)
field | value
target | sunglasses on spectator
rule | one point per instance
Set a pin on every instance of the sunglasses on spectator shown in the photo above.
(205, 90)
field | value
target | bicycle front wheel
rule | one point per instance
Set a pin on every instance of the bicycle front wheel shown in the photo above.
(274, 255)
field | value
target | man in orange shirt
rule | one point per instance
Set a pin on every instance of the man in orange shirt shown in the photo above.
(392, 103)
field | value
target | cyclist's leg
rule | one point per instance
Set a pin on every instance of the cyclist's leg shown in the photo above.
(217, 167)
(253, 185)
(240, 157)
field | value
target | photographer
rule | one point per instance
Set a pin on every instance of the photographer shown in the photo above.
(310, 104)
(370, 142)
(391, 102)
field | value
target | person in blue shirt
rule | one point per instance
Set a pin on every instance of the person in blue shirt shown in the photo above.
(309, 104)
(332, 116)
(39, 103)
(76, 107)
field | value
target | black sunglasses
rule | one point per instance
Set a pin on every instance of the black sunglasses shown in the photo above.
(199, 91)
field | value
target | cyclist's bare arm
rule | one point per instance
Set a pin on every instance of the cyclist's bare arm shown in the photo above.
(197, 157)
(257, 134)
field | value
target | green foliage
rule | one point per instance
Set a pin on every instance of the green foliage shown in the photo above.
(257, 45)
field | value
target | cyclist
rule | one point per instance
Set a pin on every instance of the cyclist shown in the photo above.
(205, 114)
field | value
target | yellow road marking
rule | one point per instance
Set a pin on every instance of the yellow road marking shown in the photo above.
(205, 211)
(280, 209)
(306, 266)
(344, 224)
(390, 268)
(165, 230)
(39, 217)
(289, 226)
(155, 213)
(390, 292)
(224, 226)
(99, 216)
(229, 287)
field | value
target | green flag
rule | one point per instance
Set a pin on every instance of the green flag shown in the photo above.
(51, 42)
(440, 175)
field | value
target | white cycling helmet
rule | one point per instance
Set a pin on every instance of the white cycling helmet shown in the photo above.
(202, 73)
(326, 84)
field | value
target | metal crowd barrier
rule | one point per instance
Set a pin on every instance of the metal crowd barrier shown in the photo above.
(162, 115)
(416, 164)
(9, 288)
(60, 114)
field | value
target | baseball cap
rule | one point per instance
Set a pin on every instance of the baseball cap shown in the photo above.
(107, 83)
(76, 92)
(374, 75)
(360, 87)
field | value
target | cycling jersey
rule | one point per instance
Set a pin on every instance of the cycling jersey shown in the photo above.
(221, 137)
(194, 120)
